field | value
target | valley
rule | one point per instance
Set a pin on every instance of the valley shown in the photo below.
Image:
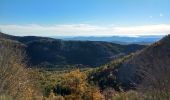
(96, 67)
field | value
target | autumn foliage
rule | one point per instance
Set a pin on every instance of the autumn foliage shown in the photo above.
(14, 79)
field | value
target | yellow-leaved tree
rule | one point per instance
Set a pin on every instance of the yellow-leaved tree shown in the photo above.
(76, 82)
(14, 80)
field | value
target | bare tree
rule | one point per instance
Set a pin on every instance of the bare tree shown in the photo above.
(14, 81)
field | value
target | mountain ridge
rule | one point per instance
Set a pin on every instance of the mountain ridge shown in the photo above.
(54, 52)
(158, 54)
(130, 71)
(117, 39)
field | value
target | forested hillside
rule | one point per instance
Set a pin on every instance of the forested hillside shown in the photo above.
(48, 52)
(156, 56)
(147, 71)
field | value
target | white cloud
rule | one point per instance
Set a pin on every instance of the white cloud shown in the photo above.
(85, 30)
(160, 29)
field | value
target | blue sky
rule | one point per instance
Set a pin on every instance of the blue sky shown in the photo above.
(85, 17)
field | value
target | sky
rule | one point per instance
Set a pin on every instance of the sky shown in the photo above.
(85, 17)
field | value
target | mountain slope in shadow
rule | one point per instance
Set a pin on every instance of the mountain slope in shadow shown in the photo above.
(49, 52)
(155, 56)
(128, 72)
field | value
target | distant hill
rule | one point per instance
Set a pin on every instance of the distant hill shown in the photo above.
(24, 39)
(127, 72)
(50, 52)
(118, 39)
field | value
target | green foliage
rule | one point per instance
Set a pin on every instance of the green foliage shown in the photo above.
(105, 76)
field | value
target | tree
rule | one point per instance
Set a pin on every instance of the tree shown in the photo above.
(14, 80)
(75, 81)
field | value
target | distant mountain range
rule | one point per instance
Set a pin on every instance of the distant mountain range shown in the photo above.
(118, 39)
(49, 52)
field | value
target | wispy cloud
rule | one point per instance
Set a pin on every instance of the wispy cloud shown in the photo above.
(84, 30)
